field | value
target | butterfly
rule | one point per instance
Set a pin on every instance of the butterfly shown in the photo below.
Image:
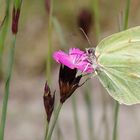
(116, 60)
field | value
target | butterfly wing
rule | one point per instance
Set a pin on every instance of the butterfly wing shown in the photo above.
(118, 57)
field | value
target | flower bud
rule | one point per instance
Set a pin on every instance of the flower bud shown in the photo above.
(47, 5)
(15, 20)
(48, 101)
(85, 20)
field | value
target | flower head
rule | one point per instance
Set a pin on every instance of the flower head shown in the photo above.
(68, 82)
(74, 59)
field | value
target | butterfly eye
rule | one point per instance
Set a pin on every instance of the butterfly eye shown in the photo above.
(90, 51)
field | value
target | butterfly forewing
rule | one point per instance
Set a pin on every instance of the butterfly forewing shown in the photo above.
(118, 57)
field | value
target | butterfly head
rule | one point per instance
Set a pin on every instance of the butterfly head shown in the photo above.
(91, 57)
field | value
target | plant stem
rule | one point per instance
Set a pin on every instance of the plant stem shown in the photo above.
(76, 120)
(48, 59)
(3, 32)
(87, 97)
(90, 122)
(4, 26)
(47, 128)
(126, 14)
(95, 9)
(54, 121)
(7, 88)
(114, 137)
(48, 65)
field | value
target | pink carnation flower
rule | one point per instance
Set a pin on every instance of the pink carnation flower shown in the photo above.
(74, 59)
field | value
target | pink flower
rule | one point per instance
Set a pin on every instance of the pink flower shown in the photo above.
(74, 59)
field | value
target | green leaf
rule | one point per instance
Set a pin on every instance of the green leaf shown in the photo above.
(118, 57)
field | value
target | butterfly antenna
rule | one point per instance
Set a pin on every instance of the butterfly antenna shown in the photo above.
(86, 36)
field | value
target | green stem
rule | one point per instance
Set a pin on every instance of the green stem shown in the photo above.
(54, 121)
(48, 65)
(114, 137)
(48, 59)
(3, 32)
(47, 128)
(90, 124)
(95, 9)
(7, 6)
(76, 121)
(2, 39)
(87, 97)
(7, 88)
(126, 15)
(4, 26)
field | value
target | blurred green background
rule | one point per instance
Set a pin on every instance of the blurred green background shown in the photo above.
(26, 113)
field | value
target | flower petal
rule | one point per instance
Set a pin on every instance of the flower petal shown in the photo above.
(75, 51)
(63, 58)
